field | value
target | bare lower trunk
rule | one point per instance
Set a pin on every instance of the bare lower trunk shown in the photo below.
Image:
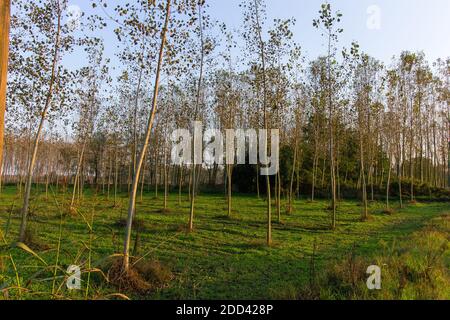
(29, 181)
(269, 213)
(363, 178)
(291, 186)
(313, 188)
(400, 186)
(192, 207)
(229, 189)
(156, 176)
(180, 185)
(46, 184)
(388, 184)
(278, 196)
(109, 177)
(166, 182)
(257, 182)
(116, 177)
(143, 180)
(77, 176)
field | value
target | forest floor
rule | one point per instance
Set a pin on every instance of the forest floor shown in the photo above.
(224, 258)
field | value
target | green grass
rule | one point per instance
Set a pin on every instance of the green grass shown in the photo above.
(225, 258)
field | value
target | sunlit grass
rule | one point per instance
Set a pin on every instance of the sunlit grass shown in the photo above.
(224, 258)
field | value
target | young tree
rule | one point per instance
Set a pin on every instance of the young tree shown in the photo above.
(184, 6)
(199, 32)
(134, 188)
(254, 21)
(48, 40)
(365, 75)
(327, 22)
(91, 79)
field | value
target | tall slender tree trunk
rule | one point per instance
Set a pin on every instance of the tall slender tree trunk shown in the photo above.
(26, 199)
(298, 178)
(109, 176)
(197, 105)
(5, 11)
(400, 182)
(180, 184)
(77, 176)
(131, 172)
(291, 185)
(363, 175)
(388, 183)
(135, 130)
(257, 182)
(266, 122)
(116, 175)
(166, 180)
(143, 180)
(46, 184)
(331, 133)
(229, 188)
(314, 173)
(278, 196)
(132, 201)
(156, 173)
(448, 145)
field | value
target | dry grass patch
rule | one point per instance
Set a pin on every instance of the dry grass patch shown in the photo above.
(143, 277)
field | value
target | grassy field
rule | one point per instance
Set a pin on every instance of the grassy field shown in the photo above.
(225, 258)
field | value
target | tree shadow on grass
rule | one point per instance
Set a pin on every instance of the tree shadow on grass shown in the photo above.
(254, 244)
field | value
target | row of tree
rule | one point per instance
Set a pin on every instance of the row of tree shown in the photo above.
(350, 125)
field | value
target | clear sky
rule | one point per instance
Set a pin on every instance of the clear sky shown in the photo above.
(404, 24)
(382, 27)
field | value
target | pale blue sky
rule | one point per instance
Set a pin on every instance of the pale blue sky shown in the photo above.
(404, 24)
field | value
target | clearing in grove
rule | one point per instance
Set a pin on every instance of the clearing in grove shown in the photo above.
(224, 258)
